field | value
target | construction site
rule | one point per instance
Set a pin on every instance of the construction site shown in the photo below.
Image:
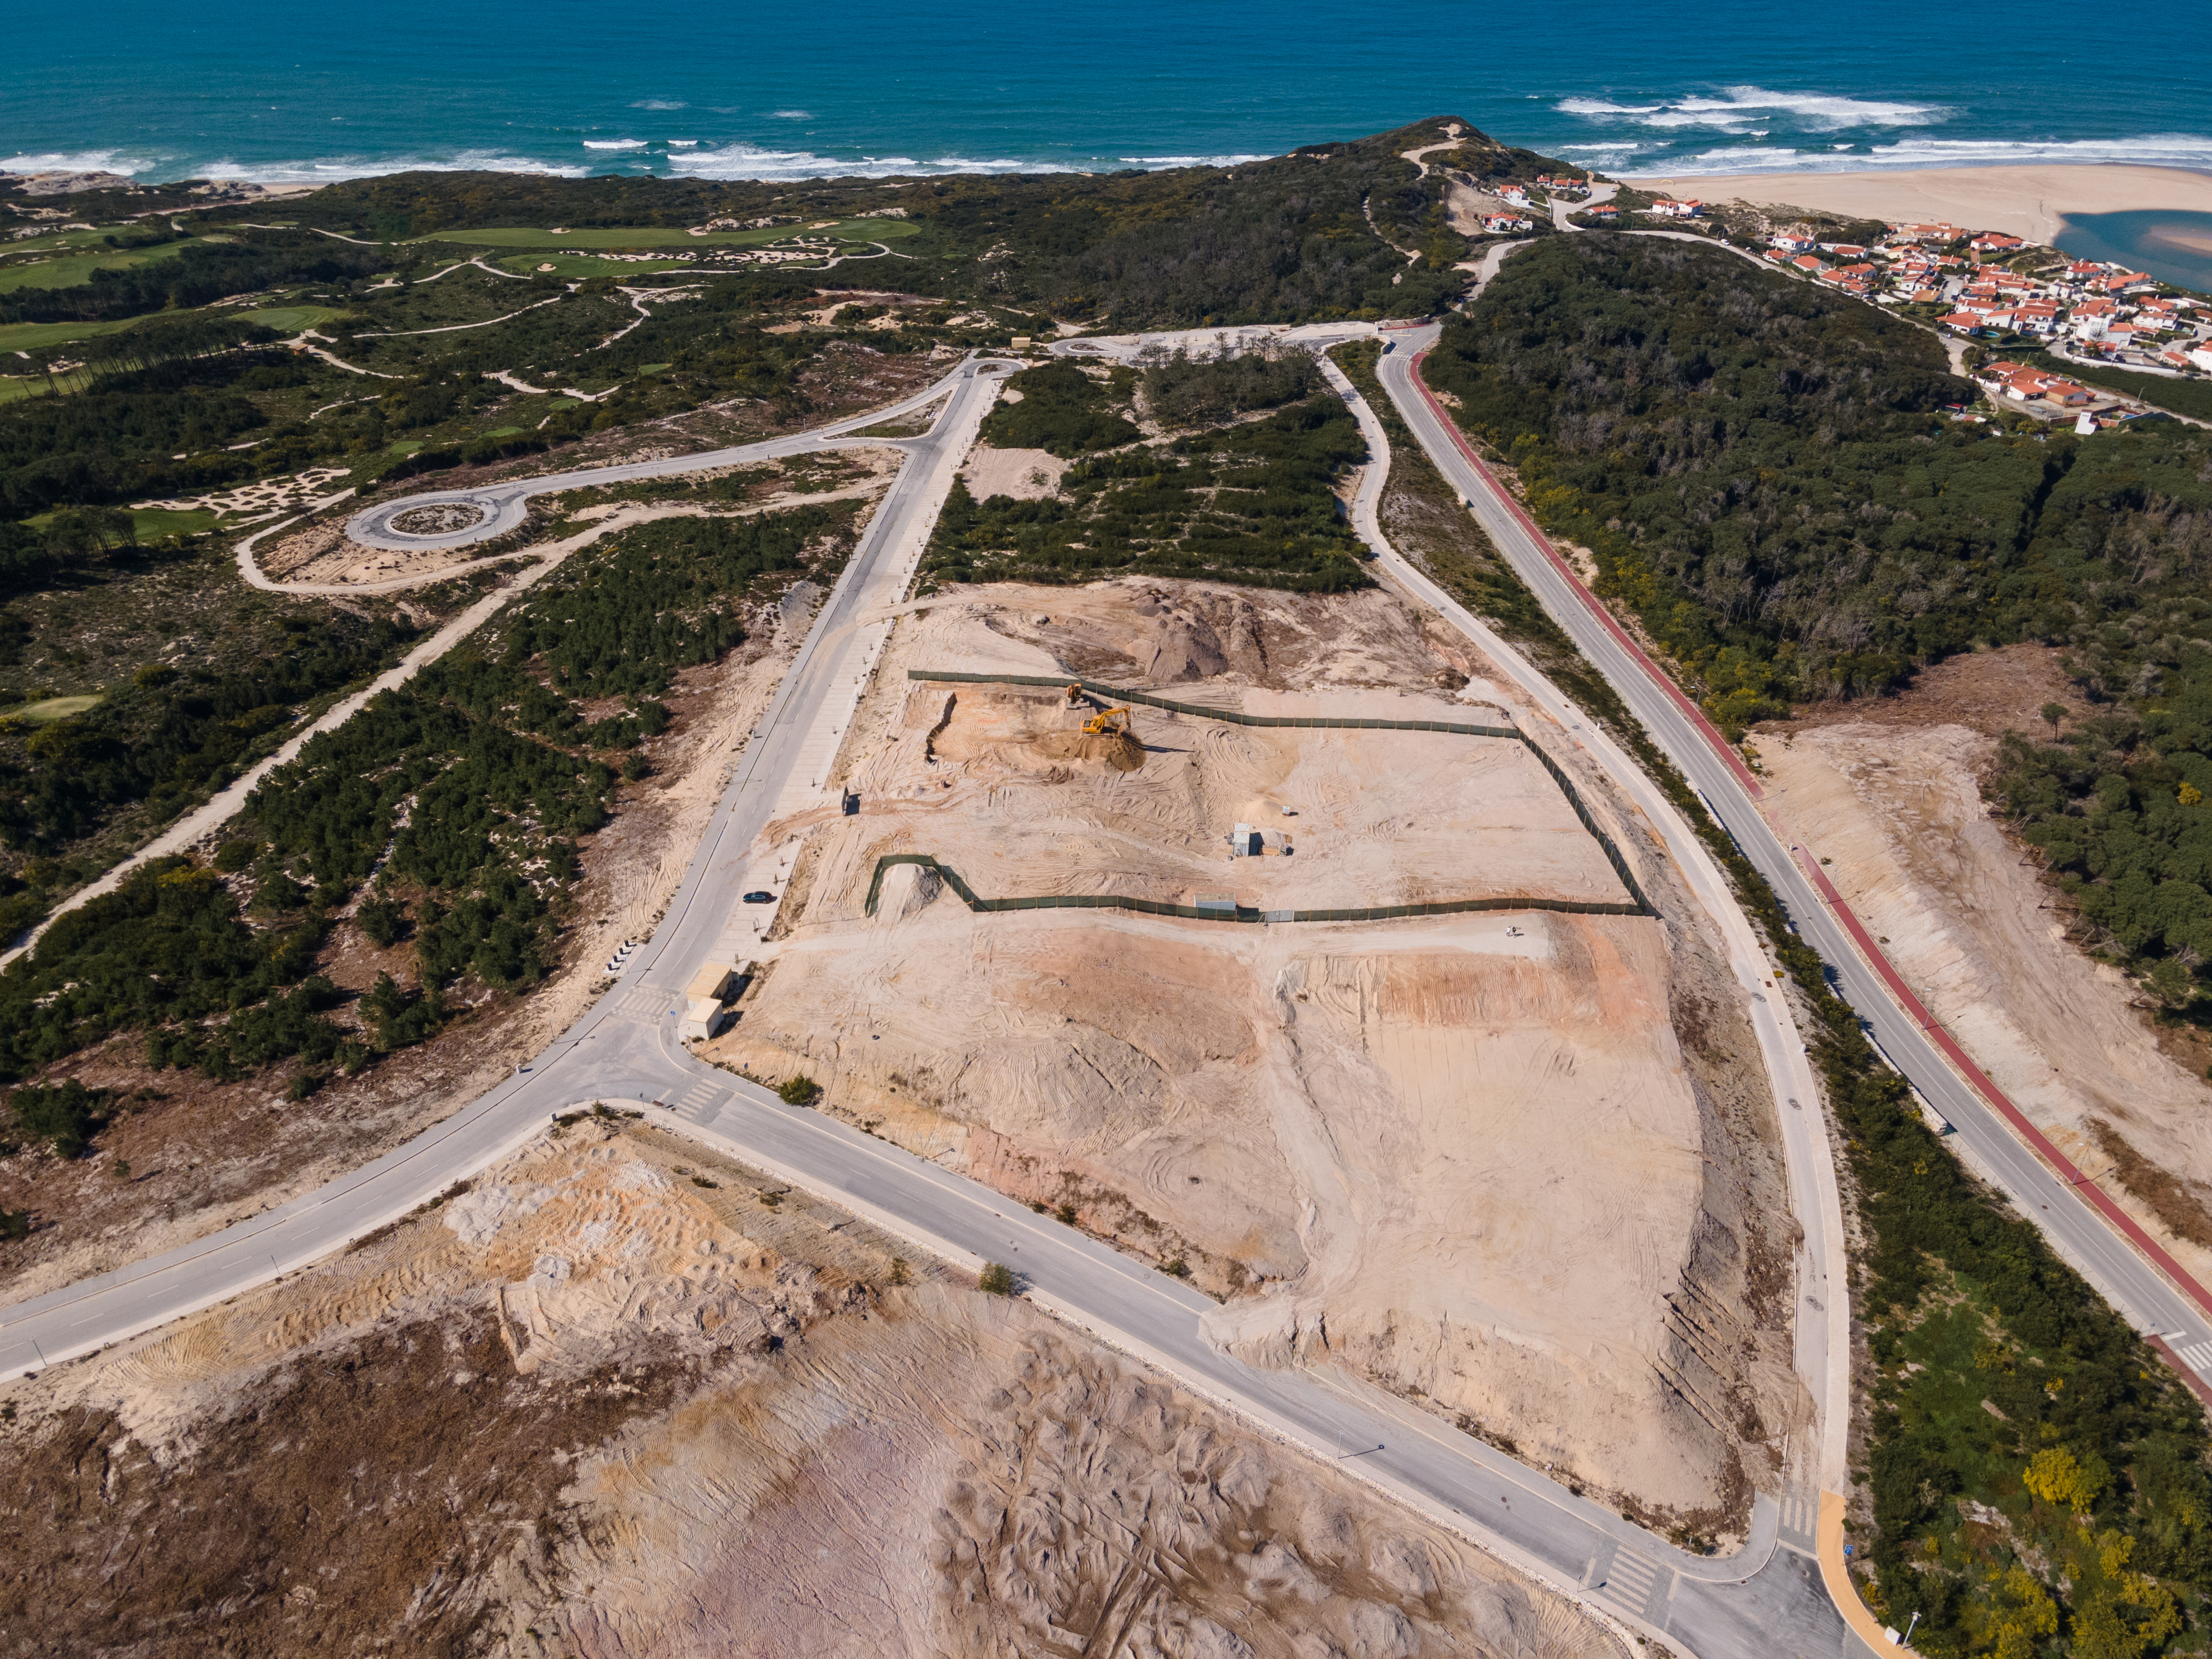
(1375, 1013)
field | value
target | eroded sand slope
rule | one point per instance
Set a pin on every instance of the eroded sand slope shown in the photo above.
(1519, 1166)
(618, 1399)
(1894, 804)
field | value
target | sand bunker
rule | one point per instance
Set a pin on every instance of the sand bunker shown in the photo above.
(1467, 1155)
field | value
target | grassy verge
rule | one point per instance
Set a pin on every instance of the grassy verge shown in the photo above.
(2027, 1466)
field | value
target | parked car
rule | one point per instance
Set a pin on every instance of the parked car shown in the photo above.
(760, 898)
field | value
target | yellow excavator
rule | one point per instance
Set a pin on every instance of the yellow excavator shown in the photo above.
(1103, 724)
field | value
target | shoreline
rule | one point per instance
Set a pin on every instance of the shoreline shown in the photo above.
(2031, 201)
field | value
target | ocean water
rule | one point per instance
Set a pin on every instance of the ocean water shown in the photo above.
(295, 93)
(2176, 247)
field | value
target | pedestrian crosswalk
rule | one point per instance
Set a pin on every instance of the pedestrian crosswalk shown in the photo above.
(2197, 1356)
(638, 1004)
(699, 1101)
(1797, 1522)
(1633, 1584)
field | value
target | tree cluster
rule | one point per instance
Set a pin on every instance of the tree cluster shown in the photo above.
(1254, 503)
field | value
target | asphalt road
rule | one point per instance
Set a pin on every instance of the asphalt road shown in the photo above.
(502, 505)
(2148, 1299)
(1765, 1602)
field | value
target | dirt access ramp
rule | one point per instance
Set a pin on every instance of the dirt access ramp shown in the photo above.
(1519, 1166)
(1888, 795)
(620, 1398)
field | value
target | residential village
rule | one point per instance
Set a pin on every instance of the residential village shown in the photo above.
(1999, 291)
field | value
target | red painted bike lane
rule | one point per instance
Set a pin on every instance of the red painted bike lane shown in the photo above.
(1665, 683)
(2036, 1141)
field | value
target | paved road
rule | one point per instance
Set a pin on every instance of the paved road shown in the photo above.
(1765, 1602)
(500, 506)
(597, 1056)
(497, 499)
(2149, 1300)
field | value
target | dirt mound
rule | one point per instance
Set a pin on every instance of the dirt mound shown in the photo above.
(1119, 751)
(1961, 907)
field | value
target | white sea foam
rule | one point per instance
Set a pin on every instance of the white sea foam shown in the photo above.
(1819, 110)
(661, 103)
(1738, 107)
(80, 161)
(1190, 160)
(790, 115)
(614, 144)
(741, 160)
(2177, 149)
(682, 144)
(1599, 107)
(336, 169)
(751, 161)
(2169, 149)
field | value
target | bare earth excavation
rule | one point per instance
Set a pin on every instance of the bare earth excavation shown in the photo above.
(1521, 1167)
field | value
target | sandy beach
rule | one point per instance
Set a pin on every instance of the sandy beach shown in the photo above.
(2022, 201)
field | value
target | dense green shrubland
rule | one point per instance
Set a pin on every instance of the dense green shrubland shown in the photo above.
(1763, 479)
(1252, 503)
(165, 739)
(1061, 408)
(465, 794)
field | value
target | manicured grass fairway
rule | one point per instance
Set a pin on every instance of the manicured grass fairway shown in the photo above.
(152, 523)
(291, 319)
(53, 708)
(72, 269)
(37, 337)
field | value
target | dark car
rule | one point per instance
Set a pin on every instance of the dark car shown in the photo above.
(760, 898)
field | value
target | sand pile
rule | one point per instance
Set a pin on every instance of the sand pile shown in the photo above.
(1119, 751)
(1481, 1158)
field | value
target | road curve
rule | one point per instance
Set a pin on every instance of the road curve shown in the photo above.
(1762, 1601)
(595, 1057)
(501, 506)
(2082, 1223)
(226, 803)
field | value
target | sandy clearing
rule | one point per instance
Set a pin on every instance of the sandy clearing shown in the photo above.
(2020, 201)
(1469, 1158)
(1027, 475)
(1964, 914)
